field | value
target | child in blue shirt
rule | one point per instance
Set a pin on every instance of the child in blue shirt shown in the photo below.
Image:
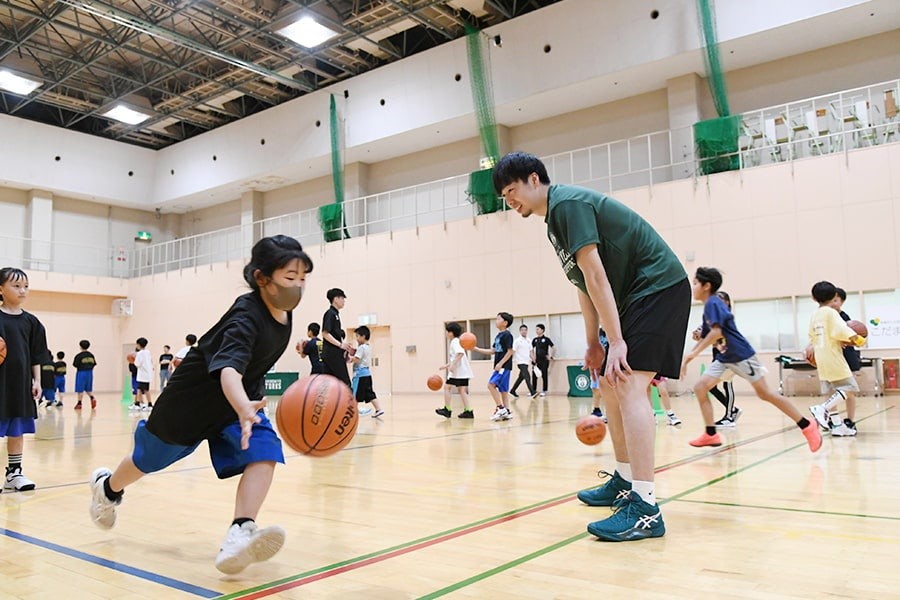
(737, 356)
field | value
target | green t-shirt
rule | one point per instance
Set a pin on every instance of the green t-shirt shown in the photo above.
(638, 262)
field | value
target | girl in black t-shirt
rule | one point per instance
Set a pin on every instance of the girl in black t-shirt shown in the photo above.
(216, 394)
(20, 373)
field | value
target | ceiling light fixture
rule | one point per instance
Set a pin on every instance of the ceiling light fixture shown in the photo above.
(124, 114)
(18, 84)
(307, 32)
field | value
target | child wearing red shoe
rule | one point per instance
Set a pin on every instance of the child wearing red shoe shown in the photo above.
(738, 357)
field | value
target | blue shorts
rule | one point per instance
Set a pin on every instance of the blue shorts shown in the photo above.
(48, 394)
(152, 454)
(16, 426)
(500, 380)
(84, 381)
(60, 384)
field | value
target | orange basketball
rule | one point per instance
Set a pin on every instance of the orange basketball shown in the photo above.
(590, 430)
(468, 340)
(317, 415)
(130, 357)
(2, 350)
(435, 383)
(176, 362)
(859, 327)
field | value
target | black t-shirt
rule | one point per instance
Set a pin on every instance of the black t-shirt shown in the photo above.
(48, 376)
(851, 354)
(84, 361)
(541, 345)
(193, 407)
(311, 350)
(164, 360)
(59, 367)
(502, 343)
(132, 368)
(26, 346)
(331, 323)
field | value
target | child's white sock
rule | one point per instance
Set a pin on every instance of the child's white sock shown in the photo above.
(646, 490)
(624, 470)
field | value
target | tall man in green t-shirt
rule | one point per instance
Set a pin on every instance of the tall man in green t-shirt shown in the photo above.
(631, 282)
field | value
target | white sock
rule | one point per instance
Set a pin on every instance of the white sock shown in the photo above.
(646, 490)
(624, 470)
(835, 398)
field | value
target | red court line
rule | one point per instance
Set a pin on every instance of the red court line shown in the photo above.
(491, 523)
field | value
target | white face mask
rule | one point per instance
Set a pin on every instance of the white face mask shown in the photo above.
(286, 298)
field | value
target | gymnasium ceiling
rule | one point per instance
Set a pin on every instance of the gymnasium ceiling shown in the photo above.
(195, 65)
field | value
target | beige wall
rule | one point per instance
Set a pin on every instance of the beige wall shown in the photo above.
(854, 64)
(772, 230)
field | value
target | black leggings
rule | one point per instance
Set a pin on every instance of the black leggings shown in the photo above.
(525, 376)
(334, 364)
(544, 366)
(726, 399)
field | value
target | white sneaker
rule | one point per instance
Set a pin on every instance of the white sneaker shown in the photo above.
(673, 419)
(543, 394)
(842, 431)
(507, 414)
(245, 544)
(499, 414)
(103, 510)
(16, 482)
(820, 415)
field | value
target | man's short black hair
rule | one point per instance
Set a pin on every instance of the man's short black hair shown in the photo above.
(142, 342)
(518, 166)
(540, 326)
(84, 344)
(824, 291)
(709, 275)
(335, 293)
(191, 339)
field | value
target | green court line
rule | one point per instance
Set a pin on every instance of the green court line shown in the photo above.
(546, 550)
(263, 588)
(829, 513)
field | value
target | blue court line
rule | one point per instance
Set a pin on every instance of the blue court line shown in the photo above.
(111, 564)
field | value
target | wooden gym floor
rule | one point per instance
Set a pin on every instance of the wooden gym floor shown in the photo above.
(423, 507)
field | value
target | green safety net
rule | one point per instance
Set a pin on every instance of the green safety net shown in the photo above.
(715, 77)
(481, 189)
(331, 219)
(331, 216)
(716, 140)
(717, 144)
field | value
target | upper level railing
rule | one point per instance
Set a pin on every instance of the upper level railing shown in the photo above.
(826, 124)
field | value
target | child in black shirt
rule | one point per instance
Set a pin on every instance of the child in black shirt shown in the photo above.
(216, 394)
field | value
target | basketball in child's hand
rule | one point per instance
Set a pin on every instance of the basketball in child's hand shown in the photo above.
(590, 430)
(2, 350)
(317, 415)
(176, 362)
(435, 383)
(468, 340)
(130, 357)
(859, 327)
